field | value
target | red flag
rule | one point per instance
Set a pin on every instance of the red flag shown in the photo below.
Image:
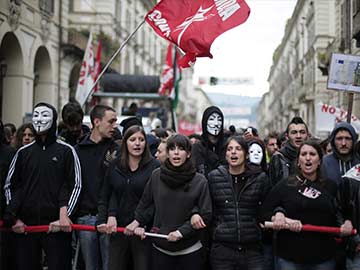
(167, 75)
(194, 25)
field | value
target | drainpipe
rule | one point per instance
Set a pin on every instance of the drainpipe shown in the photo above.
(59, 56)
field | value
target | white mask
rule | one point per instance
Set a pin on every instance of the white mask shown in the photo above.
(255, 154)
(42, 119)
(214, 124)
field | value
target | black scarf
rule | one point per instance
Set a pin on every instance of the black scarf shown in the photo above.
(289, 151)
(176, 177)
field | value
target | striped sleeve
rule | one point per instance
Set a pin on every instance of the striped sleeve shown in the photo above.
(7, 186)
(76, 174)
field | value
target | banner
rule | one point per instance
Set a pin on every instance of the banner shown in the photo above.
(186, 128)
(86, 78)
(194, 25)
(167, 76)
(327, 116)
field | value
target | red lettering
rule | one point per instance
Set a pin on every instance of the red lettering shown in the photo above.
(332, 110)
(324, 108)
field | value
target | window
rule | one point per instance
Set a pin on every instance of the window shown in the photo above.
(47, 6)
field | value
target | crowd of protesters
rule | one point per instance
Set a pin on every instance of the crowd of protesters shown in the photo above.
(207, 195)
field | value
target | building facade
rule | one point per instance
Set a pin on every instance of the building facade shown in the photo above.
(30, 55)
(298, 76)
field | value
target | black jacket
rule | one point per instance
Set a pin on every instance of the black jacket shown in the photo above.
(311, 203)
(174, 208)
(6, 155)
(206, 155)
(43, 177)
(235, 218)
(349, 199)
(122, 192)
(282, 164)
(95, 159)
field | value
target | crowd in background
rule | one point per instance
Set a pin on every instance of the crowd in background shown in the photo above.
(209, 194)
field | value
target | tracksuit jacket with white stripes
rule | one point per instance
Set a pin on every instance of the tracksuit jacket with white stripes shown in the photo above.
(42, 178)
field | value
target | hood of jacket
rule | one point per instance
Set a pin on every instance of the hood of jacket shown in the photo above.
(343, 126)
(212, 109)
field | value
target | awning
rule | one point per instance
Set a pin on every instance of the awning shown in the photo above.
(117, 83)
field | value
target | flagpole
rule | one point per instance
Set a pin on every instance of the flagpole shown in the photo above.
(173, 110)
(114, 55)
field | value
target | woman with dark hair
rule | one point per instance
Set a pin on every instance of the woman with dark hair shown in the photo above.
(177, 182)
(305, 198)
(124, 185)
(237, 191)
(24, 135)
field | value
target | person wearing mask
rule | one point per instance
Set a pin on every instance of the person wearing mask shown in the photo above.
(256, 154)
(283, 162)
(176, 181)
(343, 158)
(6, 240)
(121, 193)
(43, 187)
(209, 153)
(236, 191)
(305, 198)
(24, 135)
(96, 152)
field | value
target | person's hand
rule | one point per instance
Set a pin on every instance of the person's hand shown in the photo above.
(129, 230)
(279, 221)
(111, 225)
(140, 232)
(248, 136)
(197, 222)
(174, 236)
(54, 227)
(294, 225)
(102, 228)
(64, 220)
(19, 226)
(346, 228)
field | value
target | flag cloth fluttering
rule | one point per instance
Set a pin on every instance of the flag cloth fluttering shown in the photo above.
(194, 25)
(97, 70)
(87, 74)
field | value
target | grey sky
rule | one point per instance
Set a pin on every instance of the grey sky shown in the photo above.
(246, 51)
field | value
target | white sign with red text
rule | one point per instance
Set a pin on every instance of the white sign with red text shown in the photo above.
(328, 115)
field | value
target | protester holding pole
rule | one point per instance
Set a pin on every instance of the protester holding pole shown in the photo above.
(237, 190)
(121, 193)
(305, 198)
(174, 191)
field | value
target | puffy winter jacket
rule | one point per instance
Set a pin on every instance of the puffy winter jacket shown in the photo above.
(235, 221)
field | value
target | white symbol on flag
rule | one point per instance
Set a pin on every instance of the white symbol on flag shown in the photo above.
(198, 17)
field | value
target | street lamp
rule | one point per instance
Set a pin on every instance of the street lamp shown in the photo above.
(3, 70)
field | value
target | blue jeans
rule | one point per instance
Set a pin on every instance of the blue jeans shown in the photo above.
(353, 264)
(289, 265)
(94, 245)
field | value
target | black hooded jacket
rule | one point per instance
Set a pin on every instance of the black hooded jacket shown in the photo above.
(334, 166)
(282, 164)
(206, 155)
(95, 159)
(6, 155)
(43, 177)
